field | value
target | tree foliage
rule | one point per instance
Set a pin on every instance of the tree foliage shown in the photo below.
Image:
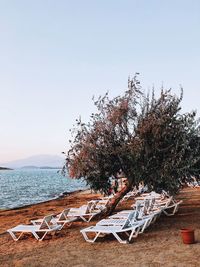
(145, 137)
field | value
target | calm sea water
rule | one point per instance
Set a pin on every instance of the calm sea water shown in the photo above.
(24, 186)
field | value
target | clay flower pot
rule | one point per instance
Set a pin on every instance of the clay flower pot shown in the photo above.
(188, 236)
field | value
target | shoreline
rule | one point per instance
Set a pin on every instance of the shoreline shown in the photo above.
(60, 196)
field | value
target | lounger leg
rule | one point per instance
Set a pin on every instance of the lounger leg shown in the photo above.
(134, 233)
(154, 219)
(83, 218)
(14, 235)
(166, 213)
(37, 236)
(42, 237)
(87, 220)
(63, 224)
(173, 212)
(145, 225)
(176, 209)
(127, 234)
(119, 239)
(89, 239)
(90, 218)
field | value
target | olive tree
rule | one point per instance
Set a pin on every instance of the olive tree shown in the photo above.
(145, 137)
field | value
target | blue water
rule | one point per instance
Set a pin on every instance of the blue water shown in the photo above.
(24, 186)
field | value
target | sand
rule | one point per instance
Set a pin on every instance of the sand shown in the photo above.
(160, 245)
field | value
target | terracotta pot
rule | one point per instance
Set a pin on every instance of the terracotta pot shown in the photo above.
(188, 236)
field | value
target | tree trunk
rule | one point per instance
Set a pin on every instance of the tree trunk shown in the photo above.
(115, 200)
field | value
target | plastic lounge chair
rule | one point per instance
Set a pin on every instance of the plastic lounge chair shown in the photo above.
(85, 208)
(86, 212)
(130, 195)
(146, 209)
(120, 220)
(139, 215)
(61, 219)
(149, 195)
(138, 206)
(150, 211)
(101, 204)
(172, 208)
(169, 206)
(145, 220)
(126, 227)
(44, 228)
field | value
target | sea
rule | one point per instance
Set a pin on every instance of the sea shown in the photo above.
(23, 187)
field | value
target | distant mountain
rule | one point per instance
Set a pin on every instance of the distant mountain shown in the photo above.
(30, 167)
(37, 161)
(48, 167)
(42, 167)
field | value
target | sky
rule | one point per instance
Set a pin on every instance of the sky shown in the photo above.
(56, 55)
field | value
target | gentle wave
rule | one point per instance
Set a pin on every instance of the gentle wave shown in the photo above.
(24, 186)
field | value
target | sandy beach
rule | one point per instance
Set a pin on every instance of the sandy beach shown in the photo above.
(160, 245)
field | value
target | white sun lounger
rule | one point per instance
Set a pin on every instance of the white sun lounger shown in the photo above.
(139, 215)
(85, 212)
(44, 228)
(131, 230)
(130, 195)
(145, 220)
(169, 206)
(130, 217)
(61, 219)
(172, 208)
(101, 204)
(86, 217)
(91, 205)
(140, 205)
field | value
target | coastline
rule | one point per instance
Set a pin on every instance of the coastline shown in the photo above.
(60, 196)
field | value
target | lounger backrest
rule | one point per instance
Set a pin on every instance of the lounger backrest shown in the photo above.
(46, 222)
(136, 216)
(142, 207)
(129, 220)
(102, 203)
(140, 211)
(138, 207)
(63, 215)
(151, 204)
(89, 207)
(165, 203)
(146, 205)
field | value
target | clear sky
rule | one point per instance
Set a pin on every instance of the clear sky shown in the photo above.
(55, 55)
